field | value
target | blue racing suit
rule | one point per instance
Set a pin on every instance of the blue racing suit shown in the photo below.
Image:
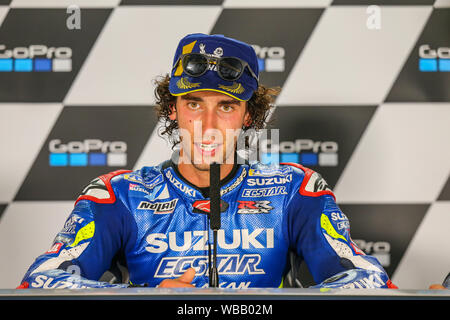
(156, 225)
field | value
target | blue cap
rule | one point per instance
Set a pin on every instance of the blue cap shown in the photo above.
(216, 46)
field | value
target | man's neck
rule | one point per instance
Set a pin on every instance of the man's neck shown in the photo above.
(200, 178)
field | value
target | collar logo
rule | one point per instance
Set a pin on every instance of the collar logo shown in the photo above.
(180, 186)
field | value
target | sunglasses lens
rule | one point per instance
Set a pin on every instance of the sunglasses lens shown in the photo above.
(230, 68)
(195, 64)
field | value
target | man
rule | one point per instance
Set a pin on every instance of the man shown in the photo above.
(156, 221)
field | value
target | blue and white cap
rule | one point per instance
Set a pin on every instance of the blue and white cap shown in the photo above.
(215, 46)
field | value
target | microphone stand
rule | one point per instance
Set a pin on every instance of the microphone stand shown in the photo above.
(214, 217)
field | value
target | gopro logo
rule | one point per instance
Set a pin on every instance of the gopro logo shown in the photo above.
(433, 60)
(270, 59)
(302, 151)
(39, 58)
(90, 152)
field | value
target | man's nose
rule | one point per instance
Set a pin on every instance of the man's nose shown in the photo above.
(209, 120)
(210, 131)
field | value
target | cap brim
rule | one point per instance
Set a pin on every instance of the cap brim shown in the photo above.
(206, 89)
(210, 81)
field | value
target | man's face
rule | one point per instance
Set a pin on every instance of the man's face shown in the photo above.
(209, 124)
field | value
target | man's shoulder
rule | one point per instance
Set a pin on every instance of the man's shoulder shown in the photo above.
(258, 169)
(303, 179)
(107, 187)
(145, 175)
(313, 184)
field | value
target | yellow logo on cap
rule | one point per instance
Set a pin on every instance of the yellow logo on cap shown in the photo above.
(183, 83)
(234, 88)
(186, 49)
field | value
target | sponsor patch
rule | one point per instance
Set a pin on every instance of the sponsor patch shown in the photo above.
(281, 171)
(269, 181)
(137, 188)
(235, 183)
(264, 192)
(55, 248)
(180, 186)
(253, 207)
(229, 264)
(204, 206)
(159, 207)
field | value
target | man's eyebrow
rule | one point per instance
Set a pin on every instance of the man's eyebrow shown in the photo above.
(230, 101)
(189, 97)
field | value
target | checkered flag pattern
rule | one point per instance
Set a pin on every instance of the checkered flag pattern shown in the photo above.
(365, 101)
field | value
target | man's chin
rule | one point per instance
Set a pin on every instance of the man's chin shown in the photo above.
(205, 162)
(201, 166)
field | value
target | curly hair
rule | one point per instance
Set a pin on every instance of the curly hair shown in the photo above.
(259, 107)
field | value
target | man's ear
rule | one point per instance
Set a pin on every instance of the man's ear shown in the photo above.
(247, 119)
(173, 112)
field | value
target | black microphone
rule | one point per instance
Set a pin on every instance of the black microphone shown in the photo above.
(214, 195)
(214, 217)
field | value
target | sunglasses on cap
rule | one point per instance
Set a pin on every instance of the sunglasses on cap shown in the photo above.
(228, 68)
